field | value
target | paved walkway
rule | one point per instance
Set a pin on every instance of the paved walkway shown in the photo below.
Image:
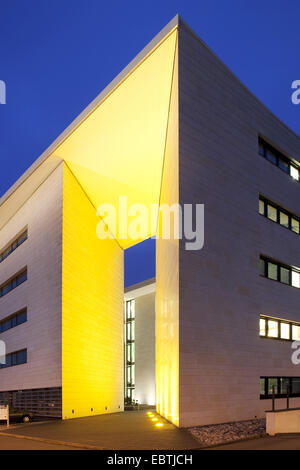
(128, 430)
(11, 443)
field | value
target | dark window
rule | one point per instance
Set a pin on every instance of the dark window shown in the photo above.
(280, 386)
(277, 271)
(13, 320)
(279, 215)
(272, 271)
(277, 158)
(15, 359)
(284, 275)
(13, 283)
(13, 246)
(262, 265)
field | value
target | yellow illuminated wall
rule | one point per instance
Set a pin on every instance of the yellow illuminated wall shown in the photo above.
(167, 277)
(92, 310)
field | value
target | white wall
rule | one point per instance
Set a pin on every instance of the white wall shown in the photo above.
(145, 349)
(41, 293)
(221, 293)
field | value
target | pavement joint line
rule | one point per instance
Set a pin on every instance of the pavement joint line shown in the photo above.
(52, 441)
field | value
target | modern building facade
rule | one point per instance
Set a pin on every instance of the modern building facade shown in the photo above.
(139, 342)
(176, 126)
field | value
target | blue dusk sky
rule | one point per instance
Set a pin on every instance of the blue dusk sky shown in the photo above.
(57, 55)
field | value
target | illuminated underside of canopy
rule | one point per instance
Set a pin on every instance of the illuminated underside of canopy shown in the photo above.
(118, 150)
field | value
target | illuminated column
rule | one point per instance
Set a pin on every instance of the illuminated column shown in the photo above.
(92, 311)
(167, 276)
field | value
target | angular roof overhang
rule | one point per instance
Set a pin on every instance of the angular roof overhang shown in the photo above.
(116, 145)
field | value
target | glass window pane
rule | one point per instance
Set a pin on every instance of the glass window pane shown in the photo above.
(272, 271)
(284, 330)
(262, 265)
(262, 386)
(284, 383)
(272, 213)
(21, 278)
(295, 225)
(284, 275)
(295, 333)
(21, 318)
(8, 361)
(261, 149)
(295, 279)
(271, 156)
(6, 289)
(284, 219)
(294, 172)
(283, 165)
(261, 207)
(21, 357)
(272, 329)
(272, 383)
(296, 385)
(262, 327)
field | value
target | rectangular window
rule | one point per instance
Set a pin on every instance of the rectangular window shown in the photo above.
(262, 327)
(13, 283)
(284, 275)
(130, 351)
(279, 215)
(284, 219)
(13, 320)
(278, 159)
(262, 267)
(295, 225)
(277, 271)
(275, 328)
(294, 172)
(261, 207)
(15, 359)
(280, 386)
(272, 213)
(13, 245)
(273, 271)
(285, 331)
(296, 332)
(272, 329)
(295, 279)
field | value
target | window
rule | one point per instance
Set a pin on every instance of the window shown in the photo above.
(262, 327)
(15, 359)
(278, 159)
(296, 332)
(276, 328)
(13, 320)
(295, 279)
(130, 351)
(277, 271)
(284, 219)
(279, 215)
(280, 386)
(285, 332)
(272, 213)
(294, 172)
(13, 283)
(272, 329)
(284, 275)
(13, 246)
(272, 271)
